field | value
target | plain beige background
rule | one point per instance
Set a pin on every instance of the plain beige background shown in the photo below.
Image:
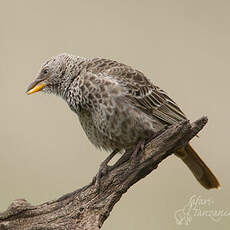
(182, 45)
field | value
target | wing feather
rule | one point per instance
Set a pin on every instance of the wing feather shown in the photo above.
(142, 93)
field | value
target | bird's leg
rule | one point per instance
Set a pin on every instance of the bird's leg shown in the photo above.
(140, 146)
(103, 169)
(122, 159)
(129, 153)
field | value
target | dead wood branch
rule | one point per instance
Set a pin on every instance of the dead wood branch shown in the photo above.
(87, 209)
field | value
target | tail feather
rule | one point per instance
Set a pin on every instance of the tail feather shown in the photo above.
(199, 169)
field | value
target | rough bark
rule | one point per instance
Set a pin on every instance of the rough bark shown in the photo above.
(86, 208)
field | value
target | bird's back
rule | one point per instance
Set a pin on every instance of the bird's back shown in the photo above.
(119, 105)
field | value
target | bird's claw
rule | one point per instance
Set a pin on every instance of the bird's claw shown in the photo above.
(103, 170)
(134, 157)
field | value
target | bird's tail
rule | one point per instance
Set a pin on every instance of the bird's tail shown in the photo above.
(199, 169)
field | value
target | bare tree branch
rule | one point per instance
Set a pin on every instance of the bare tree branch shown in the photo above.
(85, 208)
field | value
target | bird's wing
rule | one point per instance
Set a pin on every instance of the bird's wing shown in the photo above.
(144, 95)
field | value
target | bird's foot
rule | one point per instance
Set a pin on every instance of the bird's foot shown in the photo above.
(134, 156)
(103, 170)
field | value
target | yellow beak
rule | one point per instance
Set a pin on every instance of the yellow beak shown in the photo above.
(36, 88)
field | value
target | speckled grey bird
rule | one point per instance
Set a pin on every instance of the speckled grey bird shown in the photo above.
(118, 107)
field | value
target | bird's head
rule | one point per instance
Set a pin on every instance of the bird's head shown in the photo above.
(53, 74)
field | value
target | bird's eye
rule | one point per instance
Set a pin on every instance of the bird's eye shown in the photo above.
(45, 71)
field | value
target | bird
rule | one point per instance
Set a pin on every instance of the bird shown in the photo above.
(118, 106)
